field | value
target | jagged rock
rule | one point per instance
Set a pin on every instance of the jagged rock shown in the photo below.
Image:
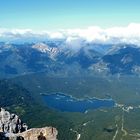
(12, 128)
(46, 133)
(10, 123)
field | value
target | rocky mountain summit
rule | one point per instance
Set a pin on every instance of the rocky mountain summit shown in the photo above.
(12, 128)
(10, 123)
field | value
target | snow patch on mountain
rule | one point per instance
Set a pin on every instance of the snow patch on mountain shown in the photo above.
(41, 47)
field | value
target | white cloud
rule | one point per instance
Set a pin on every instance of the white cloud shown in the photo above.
(74, 42)
(75, 37)
(56, 35)
(114, 35)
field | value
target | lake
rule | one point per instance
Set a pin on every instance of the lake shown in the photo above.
(67, 103)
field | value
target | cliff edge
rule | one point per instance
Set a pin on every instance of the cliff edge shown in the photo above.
(12, 128)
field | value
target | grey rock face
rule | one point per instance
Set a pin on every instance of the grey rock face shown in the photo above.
(10, 123)
(12, 128)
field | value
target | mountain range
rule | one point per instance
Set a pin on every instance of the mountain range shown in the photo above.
(89, 70)
(54, 57)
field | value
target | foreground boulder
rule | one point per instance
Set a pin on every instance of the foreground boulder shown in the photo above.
(10, 123)
(12, 128)
(46, 133)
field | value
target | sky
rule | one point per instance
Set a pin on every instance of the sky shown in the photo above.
(67, 14)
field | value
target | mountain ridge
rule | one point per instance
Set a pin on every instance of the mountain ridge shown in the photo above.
(17, 59)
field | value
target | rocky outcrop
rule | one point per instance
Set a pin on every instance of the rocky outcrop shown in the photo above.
(46, 133)
(10, 123)
(12, 128)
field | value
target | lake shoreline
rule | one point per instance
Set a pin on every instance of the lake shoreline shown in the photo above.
(63, 102)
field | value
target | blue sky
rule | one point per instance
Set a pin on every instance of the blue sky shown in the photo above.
(57, 14)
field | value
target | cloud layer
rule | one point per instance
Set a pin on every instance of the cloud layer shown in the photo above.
(75, 37)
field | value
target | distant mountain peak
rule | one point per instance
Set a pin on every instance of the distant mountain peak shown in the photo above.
(42, 47)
